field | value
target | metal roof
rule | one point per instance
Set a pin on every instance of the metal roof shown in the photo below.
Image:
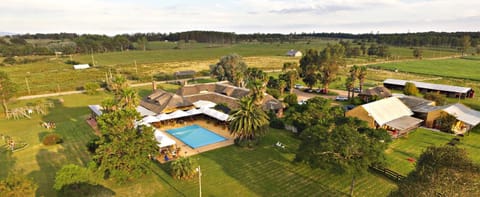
(463, 113)
(431, 86)
(404, 123)
(386, 110)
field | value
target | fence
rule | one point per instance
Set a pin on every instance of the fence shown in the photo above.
(392, 175)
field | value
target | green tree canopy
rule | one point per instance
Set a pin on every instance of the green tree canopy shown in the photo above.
(231, 68)
(348, 148)
(410, 89)
(440, 99)
(332, 58)
(17, 185)
(72, 174)
(183, 168)
(418, 53)
(7, 89)
(442, 171)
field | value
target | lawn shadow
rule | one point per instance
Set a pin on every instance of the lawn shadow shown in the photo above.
(166, 169)
(85, 189)
(7, 163)
(144, 92)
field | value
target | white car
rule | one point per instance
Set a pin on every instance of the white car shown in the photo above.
(341, 98)
(298, 86)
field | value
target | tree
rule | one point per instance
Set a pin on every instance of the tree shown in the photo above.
(143, 42)
(123, 148)
(466, 43)
(257, 83)
(354, 72)
(17, 184)
(7, 90)
(445, 122)
(183, 168)
(332, 57)
(249, 121)
(73, 175)
(410, 89)
(362, 75)
(91, 88)
(290, 77)
(282, 84)
(350, 84)
(291, 99)
(440, 99)
(231, 68)
(418, 53)
(342, 148)
(309, 65)
(442, 171)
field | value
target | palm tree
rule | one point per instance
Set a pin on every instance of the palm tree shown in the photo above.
(128, 98)
(183, 168)
(362, 74)
(282, 84)
(291, 77)
(248, 122)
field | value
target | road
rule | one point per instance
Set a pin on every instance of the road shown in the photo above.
(301, 95)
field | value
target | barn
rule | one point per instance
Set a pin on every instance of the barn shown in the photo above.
(447, 90)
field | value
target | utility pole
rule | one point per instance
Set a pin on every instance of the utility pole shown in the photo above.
(28, 87)
(199, 180)
(136, 68)
(93, 60)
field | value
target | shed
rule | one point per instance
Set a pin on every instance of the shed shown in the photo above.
(375, 93)
(294, 53)
(448, 90)
(81, 66)
(467, 118)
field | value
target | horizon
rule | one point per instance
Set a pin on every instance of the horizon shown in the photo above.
(110, 17)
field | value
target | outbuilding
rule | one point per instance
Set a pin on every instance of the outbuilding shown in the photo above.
(447, 90)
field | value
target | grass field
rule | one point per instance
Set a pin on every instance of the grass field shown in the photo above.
(459, 68)
(265, 171)
(417, 141)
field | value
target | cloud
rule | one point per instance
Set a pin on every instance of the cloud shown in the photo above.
(314, 10)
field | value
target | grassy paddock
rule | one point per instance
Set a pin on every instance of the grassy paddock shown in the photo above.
(417, 141)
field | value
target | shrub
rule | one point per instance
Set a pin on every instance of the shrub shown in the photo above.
(439, 99)
(92, 144)
(356, 101)
(10, 60)
(72, 62)
(163, 77)
(410, 89)
(274, 92)
(290, 99)
(277, 123)
(91, 88)
(183, 168)
(52, 139)
(203, 73)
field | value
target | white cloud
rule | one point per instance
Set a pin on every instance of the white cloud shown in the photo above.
(128, 16)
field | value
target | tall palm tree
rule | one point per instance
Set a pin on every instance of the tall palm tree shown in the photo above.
(362, 74)
(127, 98)
(183, 168)
(249, 121)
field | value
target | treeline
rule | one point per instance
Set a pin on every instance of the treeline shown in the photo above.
(69, 43)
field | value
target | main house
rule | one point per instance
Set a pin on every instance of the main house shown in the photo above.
(390, 114)
(161, 101)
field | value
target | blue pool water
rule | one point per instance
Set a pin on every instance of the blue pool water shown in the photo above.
(196, 136)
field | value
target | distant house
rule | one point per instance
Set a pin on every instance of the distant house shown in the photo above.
(447, 90)
(184, 74)
(81, 66)
(294, 53)
(376, 93)
(390, 114)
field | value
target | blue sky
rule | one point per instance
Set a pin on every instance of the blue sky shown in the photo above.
(241, 16)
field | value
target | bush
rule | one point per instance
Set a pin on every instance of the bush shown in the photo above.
(410, 89)
(52, 139)
(92, 144)
(274, 92)
(91, 88)
(203, 73)
(439, 99)
(277, 123)
(10, 60)
(356, 101)
(290, 99)
(72, 62)
(163, 77)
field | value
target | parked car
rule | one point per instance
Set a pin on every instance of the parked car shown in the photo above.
(356, 90)
(302, 102)
(298, 86)
(348, 107)
(341, 98)
(320, 91)
(308, 90)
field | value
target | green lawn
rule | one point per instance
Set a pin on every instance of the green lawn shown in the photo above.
(453, 68)
(265, 171)
(417, 141)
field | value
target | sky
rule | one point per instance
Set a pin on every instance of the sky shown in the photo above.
(242, 16)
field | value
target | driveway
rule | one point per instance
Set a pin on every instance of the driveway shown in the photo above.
(301, 95)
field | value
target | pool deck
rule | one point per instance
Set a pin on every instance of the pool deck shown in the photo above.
(186, 150)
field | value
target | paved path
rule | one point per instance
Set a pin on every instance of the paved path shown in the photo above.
(301, 95)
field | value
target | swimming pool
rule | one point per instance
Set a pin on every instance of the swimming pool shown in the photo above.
(196, 136)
